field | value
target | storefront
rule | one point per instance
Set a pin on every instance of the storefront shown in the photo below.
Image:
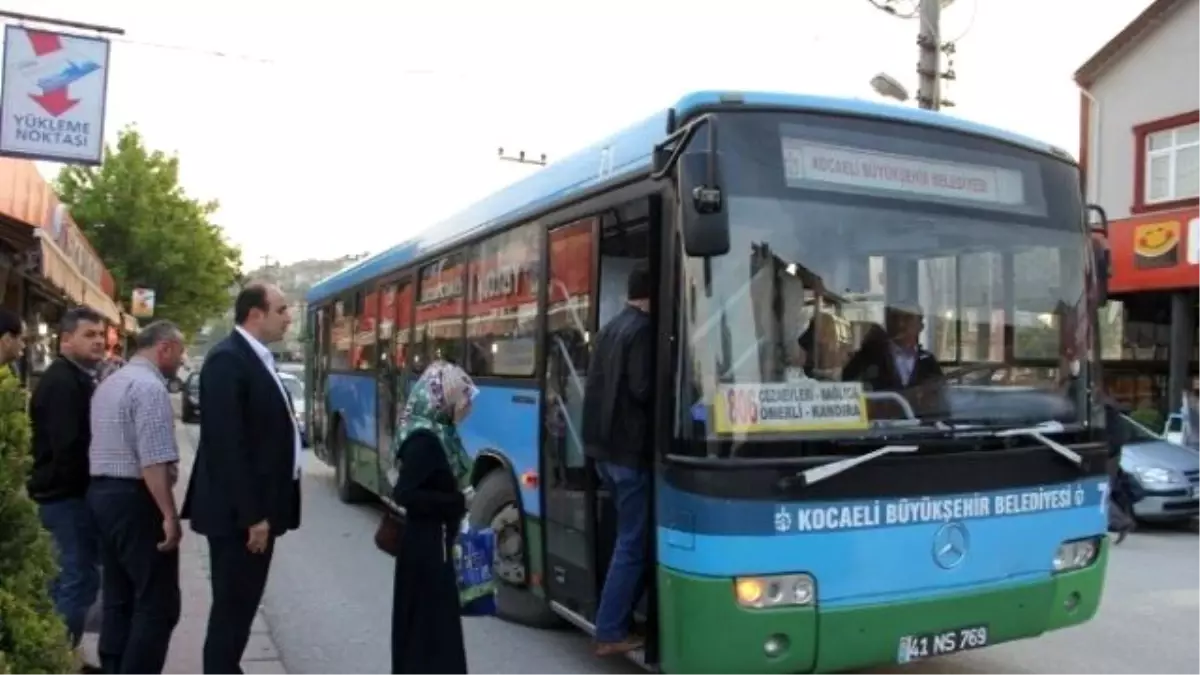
(1148, 331)
(51, 267)
(1140, 150)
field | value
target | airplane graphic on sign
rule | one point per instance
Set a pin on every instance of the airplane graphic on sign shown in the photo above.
(55, 74)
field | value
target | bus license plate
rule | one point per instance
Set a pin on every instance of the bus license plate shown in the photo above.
(929, 645)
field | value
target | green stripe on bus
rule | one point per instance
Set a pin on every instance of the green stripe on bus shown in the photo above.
(704, 631)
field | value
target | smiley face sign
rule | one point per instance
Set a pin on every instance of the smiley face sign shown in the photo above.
(1156, 245)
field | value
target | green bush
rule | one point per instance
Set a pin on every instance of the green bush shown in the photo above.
(33, 638)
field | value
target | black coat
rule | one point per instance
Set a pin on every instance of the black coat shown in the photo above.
(619, 391)
(875, 367)
(60, 413)
(245, 463)
(427, 635)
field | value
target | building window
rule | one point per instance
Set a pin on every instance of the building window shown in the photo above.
(1173, 164)
(1168, 163)
(502, 303)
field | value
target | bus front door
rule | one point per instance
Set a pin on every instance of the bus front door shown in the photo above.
(567, 476)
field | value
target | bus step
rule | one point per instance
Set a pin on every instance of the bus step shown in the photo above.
(639, 658)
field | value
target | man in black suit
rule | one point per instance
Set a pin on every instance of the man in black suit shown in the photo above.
(893, 359)
(245, 484)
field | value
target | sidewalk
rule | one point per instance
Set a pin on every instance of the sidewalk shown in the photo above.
(187, 643)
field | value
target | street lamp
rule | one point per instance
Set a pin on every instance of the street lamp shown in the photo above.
(889, 87)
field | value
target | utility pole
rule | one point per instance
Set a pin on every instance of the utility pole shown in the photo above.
(519, 158)
(929, 66)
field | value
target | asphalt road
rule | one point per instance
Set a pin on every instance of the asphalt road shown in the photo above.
(329, 602)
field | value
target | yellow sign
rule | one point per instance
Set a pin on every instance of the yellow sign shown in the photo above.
(807, 405)
(1156, 244)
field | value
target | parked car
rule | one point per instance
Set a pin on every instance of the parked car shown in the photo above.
(295, 387)
(1167, 474)
(1173, 428)
(177, 383)
(190, 408)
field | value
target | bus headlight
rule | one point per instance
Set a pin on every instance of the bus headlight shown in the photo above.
(779, 590)
(1075, 555)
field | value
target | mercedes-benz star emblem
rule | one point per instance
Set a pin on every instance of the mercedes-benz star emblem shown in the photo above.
(950, 544)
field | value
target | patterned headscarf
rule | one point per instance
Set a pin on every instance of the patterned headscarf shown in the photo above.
(442, 391)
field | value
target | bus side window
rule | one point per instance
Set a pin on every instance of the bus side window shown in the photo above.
(439, 322)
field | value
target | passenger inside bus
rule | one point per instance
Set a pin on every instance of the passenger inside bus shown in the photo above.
(893, 359)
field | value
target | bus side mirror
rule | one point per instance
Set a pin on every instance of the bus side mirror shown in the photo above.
(705, 219)
(1098, 226)
(1103, 271)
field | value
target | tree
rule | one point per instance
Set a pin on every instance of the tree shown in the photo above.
(150, 233)
(33, 638)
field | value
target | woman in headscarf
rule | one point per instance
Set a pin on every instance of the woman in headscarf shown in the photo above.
(434, 470)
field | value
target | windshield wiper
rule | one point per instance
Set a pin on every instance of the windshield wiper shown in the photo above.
(1038, 433)
(824, 471)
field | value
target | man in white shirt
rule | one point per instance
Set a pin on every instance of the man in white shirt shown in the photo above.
(245, 484)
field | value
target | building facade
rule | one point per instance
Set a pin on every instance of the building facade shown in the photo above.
(1140, 153)
(47, 265)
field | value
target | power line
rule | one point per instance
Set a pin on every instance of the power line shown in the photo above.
(889, 7)
(118, 35)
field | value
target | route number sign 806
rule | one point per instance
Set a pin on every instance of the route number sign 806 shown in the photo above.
(917, 647)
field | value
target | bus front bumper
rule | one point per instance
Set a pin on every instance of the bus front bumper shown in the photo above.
(703, 630)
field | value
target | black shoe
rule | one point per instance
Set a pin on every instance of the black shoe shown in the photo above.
(89, 668)
(1121, 534)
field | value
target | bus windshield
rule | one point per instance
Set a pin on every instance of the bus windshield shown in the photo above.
(885, 278)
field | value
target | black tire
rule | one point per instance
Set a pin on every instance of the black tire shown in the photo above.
(348, 491)
(513, 603)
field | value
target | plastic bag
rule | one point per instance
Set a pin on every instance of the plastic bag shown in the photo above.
(473, 556)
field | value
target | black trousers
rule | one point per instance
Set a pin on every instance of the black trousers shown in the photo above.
(239, 578)
(140, 584)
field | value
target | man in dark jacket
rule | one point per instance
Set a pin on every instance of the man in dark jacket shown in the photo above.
(618, 403)
(59, 412)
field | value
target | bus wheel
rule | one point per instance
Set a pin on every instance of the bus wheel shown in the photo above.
(495, 506)
(348, 491)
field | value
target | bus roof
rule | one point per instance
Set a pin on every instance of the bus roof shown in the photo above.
(630, 155)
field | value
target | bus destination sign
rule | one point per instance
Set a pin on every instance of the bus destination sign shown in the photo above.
(806, 405)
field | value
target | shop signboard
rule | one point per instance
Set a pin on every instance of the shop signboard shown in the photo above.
(54, 94)
(141, 303)
(1155, 252)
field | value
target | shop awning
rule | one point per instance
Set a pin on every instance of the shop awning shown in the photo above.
(58, 269)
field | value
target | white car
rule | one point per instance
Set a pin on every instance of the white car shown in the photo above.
(1173, 429)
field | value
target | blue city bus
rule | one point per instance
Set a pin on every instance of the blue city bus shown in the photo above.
(808, 516)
